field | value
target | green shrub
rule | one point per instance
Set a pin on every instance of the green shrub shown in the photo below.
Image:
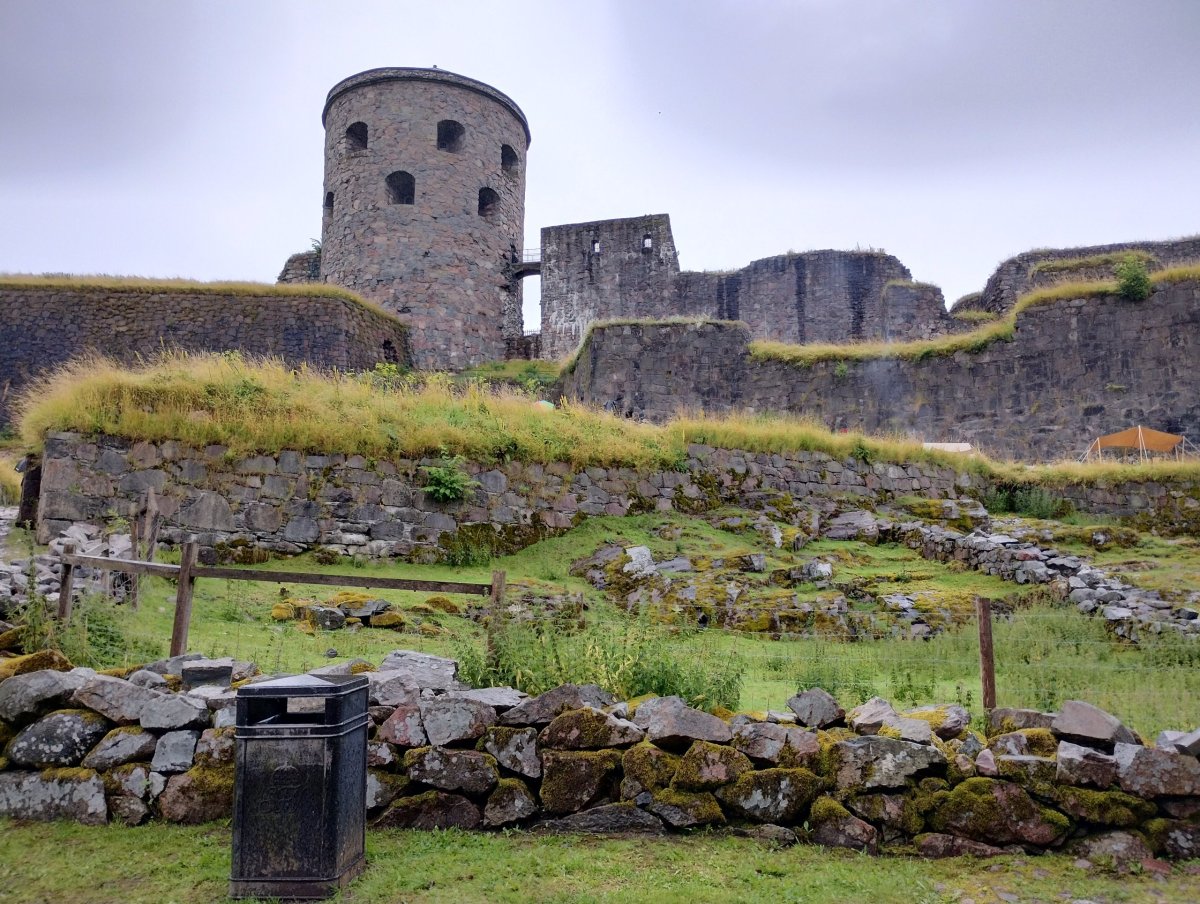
(448, 482)
(1133, 279)
(1031, 501)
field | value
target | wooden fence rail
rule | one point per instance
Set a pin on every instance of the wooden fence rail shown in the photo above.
(186, 573)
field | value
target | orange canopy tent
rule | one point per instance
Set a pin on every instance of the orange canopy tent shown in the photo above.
(1142, 440)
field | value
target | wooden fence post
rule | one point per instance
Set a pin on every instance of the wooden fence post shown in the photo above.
(495, 610)
(65, 584)
(135, 543)
(987, 661)
(183, 598)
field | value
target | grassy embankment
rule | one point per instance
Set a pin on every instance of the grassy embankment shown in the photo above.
(190, 865)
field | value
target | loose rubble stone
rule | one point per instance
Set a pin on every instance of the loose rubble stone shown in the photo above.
(511, 802)
(816, 708)
(199, 795)
(173, 712)
(115, 699)
(706, 766)
(877, 762)
(1189, 743)
(776, 744)
(771, 795)
(77, 796)
(1004, 720)
(998, 813)
(573, 779)
(834, 826)
(1082, 723)
(423, 670)
(22, 697)
(610, 819)
(589, 729)
(501, 699)
(216, 747)
(404, 727)
(871, 716)
(1149, 772)
(147, 678)
(935, 846)
(391, 688)
(985, 764)
(685, 810)
(646, 768)
(205, 672)
(127, 744)
(947, 721)
(1119, 851)
(452, 770)
(1084, 766)
(175, 751)
(515, 749)
(448, 721)
(670, 722)
(62, 738)
(431, 810)
(542, 709)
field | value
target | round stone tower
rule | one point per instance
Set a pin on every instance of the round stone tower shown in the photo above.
(424, 207)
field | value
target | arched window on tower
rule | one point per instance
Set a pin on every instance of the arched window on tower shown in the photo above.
(509, 161)
(450, 136)
(329, 200)
(489, 203)
(356, 137)
(402, 188)
(647, 242)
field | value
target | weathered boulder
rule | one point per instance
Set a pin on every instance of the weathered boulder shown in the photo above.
(935, 846)
(383, 788)
(706, 766)
(23, 697)
(771, 795)
(542, 709)
(62, 738)
(423, 670)
(646, 768)
(573, 779)
(834, 826)
(75, 794)
(610, 819)
(403, 727)
(948, 721)
(1082, 723)
(1084, 766)
(685, 810)
(876, 762)
(589, 729)
(391, 688)
(452, 770)
(206, 673)
(855, 525)
(326, 618)
(998, 813)
(33, 662)
(431, 810)
(897, 814)
(1176, 839)
(127, 744)
(1004, 719)
(670, 722)
(1117, 851)
(171, 712)
(1103, 808)
(501, 699)
(199, 795)
(816, 708)
(516, 749)
(778, 745)
(1149, 772)
(115, 699)
(175, 751)
(871, 716)
(510, 802)
(448, 721)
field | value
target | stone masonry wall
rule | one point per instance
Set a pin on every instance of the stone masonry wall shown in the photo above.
(42, 328)
(304, 267)
(1015, 276)
(1075, 370)
(436, 258)
(910, 310)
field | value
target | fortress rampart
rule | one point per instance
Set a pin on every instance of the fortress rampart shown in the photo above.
(44, 327)
(1074, 370)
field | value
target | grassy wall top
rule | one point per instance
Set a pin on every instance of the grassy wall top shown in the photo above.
(1001, 330)
(254, 406)
(137, 285)
(1111, 259)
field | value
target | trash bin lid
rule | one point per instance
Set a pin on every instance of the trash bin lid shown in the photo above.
(305, 686)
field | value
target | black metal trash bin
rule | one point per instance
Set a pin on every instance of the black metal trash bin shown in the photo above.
(299, 808)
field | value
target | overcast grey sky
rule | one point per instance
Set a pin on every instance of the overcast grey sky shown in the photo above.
(183, 138)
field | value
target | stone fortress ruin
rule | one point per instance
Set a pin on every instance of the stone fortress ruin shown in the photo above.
(423, 217)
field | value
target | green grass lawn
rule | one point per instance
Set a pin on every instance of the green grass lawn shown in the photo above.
(65, 863)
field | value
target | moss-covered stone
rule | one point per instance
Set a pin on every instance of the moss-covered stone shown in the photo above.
(443, 604)
(589, 729)
(11, 639)
(780, 796)
(68, 774)
(201, 794)
(1104, 808)
(827, 739)
(824, 809)
(647, 768)
(707, 766)
(34, 662)
(685, 810)
(998, 813)
(573, 779)
(390, 619)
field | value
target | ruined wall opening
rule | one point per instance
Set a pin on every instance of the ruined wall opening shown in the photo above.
(356, 136)
(510, 163)
(489, 203)
(647, 242)
(402, 188)
(329, 200)
(450, 135)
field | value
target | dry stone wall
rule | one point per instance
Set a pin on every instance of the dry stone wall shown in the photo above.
(42, 328)
(93, 747)
(1075, 370)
